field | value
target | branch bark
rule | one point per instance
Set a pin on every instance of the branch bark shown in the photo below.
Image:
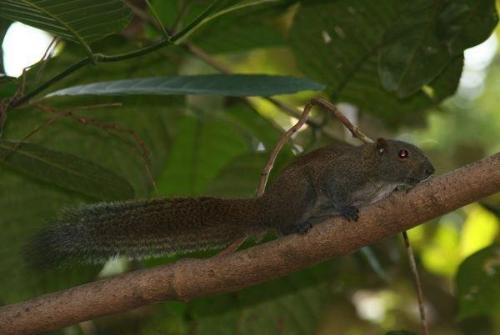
(192, 278)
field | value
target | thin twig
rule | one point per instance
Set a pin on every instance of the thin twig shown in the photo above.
(264, 176)
(156, 19)
(328, 106)
(144, 16)
(45, 57)
(418, 283)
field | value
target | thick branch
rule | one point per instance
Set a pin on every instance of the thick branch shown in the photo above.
(192, 278)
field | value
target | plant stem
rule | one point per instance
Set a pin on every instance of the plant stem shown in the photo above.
(418, 284)
(17, 102)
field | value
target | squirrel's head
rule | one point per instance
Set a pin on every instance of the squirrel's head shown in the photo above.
(401, 162)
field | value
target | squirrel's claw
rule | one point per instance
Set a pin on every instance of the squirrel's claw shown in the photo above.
(351, 213)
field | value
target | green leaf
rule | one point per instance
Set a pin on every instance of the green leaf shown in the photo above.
(216, 84)
(400, 332)
(254, 125)
(337, 43)
(81, 21)
(465, 23)
(240, 177)
(244, 29)
(412, 55)
(477, 282)
(8, 87)
(202, 147)
(64, 170)
(447, 81)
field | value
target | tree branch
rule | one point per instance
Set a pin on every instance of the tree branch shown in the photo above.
(192, 278)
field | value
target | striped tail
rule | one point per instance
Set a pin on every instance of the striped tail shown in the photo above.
(143, 228)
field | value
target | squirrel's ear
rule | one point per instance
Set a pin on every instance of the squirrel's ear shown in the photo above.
(381, 145)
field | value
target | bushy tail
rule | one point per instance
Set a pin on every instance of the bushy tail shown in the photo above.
(138, 229)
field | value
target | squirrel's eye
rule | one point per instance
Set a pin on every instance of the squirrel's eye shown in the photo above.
(403, 153)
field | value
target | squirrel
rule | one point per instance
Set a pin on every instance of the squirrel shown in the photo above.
(333, 180)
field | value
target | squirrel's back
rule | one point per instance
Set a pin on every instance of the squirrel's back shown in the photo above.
(142, 228)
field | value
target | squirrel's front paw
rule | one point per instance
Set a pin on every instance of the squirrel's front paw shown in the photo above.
(351, 213)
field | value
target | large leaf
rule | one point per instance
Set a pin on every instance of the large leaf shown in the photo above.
(477, 281)
(81, 21)
(240, 177)
(465, 23)
(64, 170)
(245, 29)
(413, 54)
(202, 147)
(261, 130)
(216, 84)
(337, 43)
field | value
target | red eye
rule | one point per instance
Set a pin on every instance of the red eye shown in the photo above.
(403, 153)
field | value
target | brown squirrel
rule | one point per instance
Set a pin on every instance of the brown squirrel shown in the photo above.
(334, 180)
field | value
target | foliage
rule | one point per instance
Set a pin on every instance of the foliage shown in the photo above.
(66, 21)
(125, 108)
(477, 282)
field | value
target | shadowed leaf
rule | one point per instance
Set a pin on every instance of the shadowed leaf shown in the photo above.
(65, 170)
(478, 281)
(465, 23)
(202, 147)
(217, 84)
(413, 54)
